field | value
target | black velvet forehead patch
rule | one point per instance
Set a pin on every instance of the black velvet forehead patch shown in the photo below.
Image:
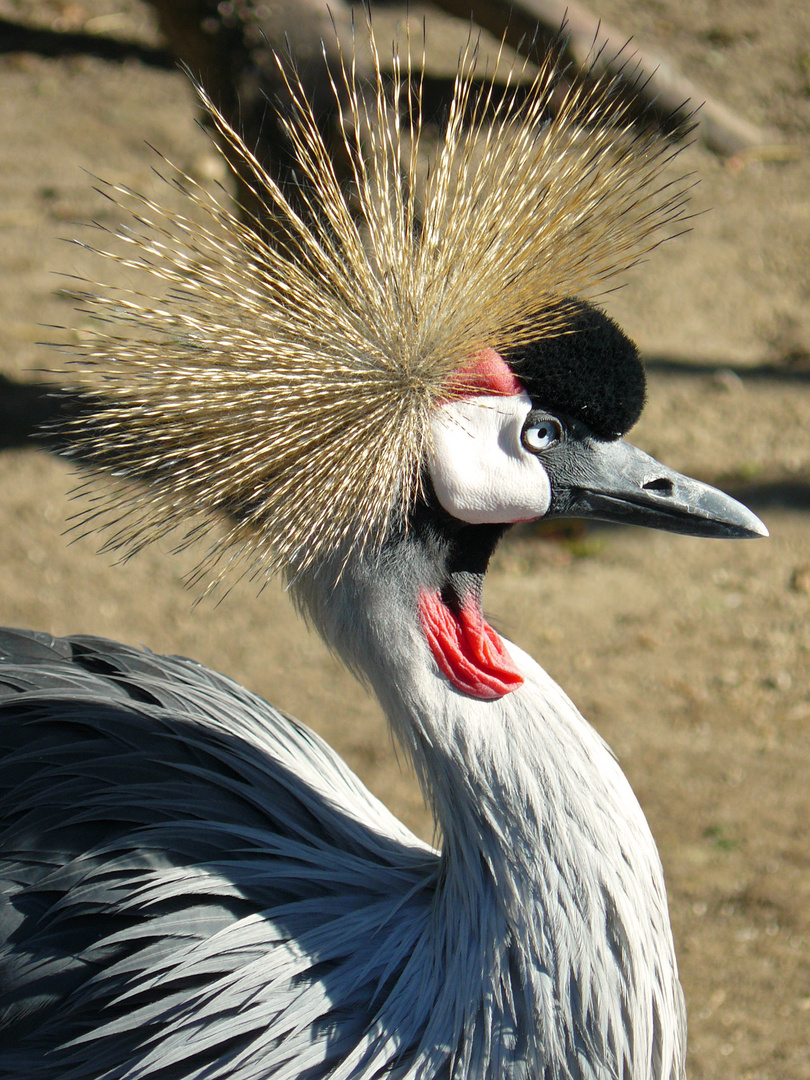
(591, 371)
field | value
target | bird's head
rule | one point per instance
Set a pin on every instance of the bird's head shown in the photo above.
(540, 435)
(533, 437)
(404, 350)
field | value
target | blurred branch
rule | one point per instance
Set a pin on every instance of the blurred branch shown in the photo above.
(230, 46)
(530, 25)
(233, 50)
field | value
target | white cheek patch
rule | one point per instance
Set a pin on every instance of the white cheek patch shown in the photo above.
(480, 469)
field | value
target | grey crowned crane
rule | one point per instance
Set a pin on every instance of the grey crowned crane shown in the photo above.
(194, 885)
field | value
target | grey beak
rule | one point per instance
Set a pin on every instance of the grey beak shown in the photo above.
(615, 481)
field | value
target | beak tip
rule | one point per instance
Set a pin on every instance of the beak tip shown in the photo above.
(745, 523)
(749, 525)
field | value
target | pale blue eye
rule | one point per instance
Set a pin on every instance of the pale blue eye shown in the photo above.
(541, 435)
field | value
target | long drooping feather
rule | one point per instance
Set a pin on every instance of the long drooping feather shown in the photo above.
(283, 381)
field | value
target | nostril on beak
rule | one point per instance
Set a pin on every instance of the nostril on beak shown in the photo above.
(661, 485)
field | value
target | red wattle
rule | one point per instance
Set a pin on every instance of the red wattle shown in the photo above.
(467, 649)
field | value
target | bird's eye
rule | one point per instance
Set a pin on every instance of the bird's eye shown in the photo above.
(540, 435)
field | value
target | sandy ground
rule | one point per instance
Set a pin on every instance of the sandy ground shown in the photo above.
(689, 656)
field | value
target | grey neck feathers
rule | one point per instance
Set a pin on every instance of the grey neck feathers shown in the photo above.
(551, 889)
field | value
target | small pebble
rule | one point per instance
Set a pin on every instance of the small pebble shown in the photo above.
(728, 380)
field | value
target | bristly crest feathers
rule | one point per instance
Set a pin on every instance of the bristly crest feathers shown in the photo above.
(286, 384)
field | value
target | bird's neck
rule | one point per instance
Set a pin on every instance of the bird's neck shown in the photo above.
(551, 890)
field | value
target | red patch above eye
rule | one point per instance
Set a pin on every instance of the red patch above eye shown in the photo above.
(487, 373)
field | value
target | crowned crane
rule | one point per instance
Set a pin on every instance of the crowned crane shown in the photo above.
(194, 884)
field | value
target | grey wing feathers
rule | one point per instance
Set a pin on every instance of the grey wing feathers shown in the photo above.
(192, 883)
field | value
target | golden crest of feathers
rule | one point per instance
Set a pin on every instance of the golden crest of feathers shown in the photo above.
(283, 381)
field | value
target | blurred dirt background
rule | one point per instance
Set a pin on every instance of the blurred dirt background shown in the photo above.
(691, 657)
